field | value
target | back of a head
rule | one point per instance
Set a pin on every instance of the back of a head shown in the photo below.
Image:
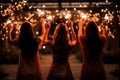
(26, 30)
(62, 34)
(61, 45)
(92, 38)
(27, 43)
(91, 30)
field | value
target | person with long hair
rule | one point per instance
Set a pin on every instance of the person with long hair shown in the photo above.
(29, 66)
(61, 46)
(92, 44)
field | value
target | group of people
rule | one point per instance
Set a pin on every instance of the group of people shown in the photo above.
(92, 43)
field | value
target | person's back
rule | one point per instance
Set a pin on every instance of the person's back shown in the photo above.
(27, 42)
(91, 46)
(61, 48)
(60, 69)
(29, 59)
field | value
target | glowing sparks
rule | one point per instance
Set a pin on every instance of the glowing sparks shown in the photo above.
(16, 19)
(40, 12)
(67, 16)
(49, 17)
(106, 17)
(83, 16)
(8, 21)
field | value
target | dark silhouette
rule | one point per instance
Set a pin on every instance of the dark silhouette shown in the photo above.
(61, 49)
(29, 67)
(91, 45)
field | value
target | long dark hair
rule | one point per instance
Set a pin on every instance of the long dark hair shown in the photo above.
(92, 38)
(27, 42)
(61, 40)
(61, 35)
(91, 30)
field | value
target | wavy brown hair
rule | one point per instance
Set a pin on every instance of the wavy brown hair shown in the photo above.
(92, 38)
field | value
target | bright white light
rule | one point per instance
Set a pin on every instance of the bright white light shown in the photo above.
(1, 6)
(106, 17)
(42, 13)
(30, 7)
(85, 6)
(57, 10)
(76, 27)
(67, 16)
(44, 47)
(80, 5)
(83, 16)
(90, 11)
(37, 32)
(49, 17)
(69, 28)
(106, 1)
(3, 39)
(102, 10)
(116, 6)
(8, 21)
(74, 9)
(43, 6)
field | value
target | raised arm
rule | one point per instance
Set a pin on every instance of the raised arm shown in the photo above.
(80, 24)
(10, 39)
(42, 21)
(47, 27)
(52, 42)
(72, 41)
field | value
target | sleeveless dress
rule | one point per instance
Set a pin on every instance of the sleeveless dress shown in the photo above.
(60, 68)
(92, 66)
(29, 68)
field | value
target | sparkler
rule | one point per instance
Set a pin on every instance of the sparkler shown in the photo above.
(49, 18)
(11, 10)
(67, 16)
(8, 21)
(83, 16)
